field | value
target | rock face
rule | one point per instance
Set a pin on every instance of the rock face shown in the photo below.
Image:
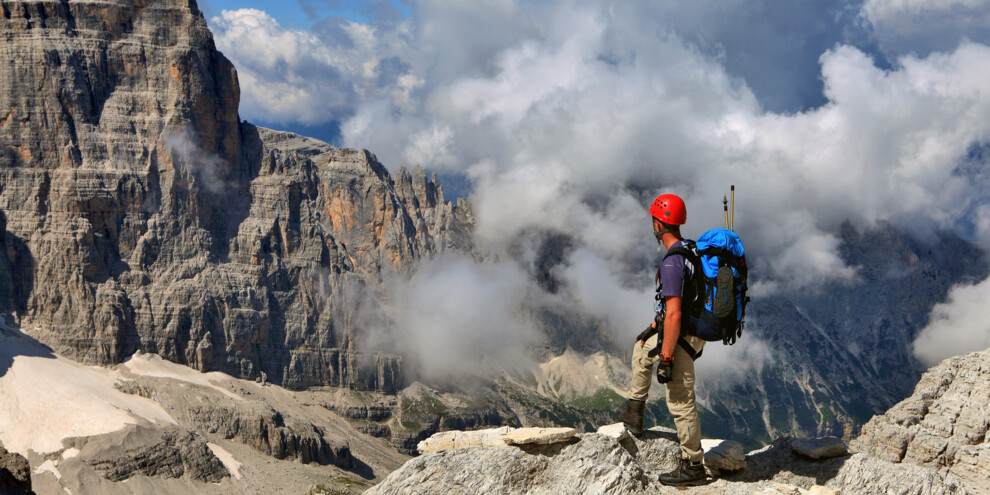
(140, 213)
(141, 450)
(942, 426)
(249, 420)
(864, 474)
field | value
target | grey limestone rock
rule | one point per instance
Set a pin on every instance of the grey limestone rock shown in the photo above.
(942, 426)
(617, 431)
(593, 464)
(143, 450)
(254, 422)
(868, 475)
(726, 455)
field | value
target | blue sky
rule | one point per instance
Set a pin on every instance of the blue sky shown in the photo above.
(304, 15)
(301, 14)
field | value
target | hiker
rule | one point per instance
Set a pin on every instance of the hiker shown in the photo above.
(675, 357)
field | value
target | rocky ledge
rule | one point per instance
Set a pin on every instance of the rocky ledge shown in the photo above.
(934, 442)
(942, 426)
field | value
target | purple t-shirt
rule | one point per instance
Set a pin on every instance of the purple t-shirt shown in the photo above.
(672, 273)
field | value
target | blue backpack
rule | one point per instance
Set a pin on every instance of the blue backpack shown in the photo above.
(715, 297)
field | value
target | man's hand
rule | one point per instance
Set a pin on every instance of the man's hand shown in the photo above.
(665, 369)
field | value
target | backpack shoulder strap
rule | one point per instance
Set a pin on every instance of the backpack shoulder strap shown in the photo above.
(686, 249)
(690, 253)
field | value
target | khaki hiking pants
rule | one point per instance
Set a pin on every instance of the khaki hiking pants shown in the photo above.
(680, 392)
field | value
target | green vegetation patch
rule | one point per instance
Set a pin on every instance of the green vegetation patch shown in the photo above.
(424, 407)
(828, 415)
(602, 399)
(344, 480)
(341, 485)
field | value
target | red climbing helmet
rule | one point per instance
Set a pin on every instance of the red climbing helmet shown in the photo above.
(669, 209)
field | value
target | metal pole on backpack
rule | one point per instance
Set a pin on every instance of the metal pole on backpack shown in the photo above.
(732, 211)
(725, 210)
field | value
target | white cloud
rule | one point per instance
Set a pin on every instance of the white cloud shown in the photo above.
(203, 168)
(431, 145)
(291, 75)
(595, 287)
(957, 326)
(728, 365)
(460, 318)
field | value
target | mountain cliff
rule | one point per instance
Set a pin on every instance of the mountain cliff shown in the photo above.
(140, 214)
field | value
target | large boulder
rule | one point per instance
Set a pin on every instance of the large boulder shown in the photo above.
(819, 448)
(726, 455)
(942, 426)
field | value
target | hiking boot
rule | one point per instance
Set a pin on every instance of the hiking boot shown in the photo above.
(685, 474)
(632, 416)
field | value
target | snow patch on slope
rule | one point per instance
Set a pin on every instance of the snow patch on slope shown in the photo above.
(153, 365)
(47, 398)
(227, 459)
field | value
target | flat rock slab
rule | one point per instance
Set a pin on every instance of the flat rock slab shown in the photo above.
(617, 431)
(819, 448)
(447, 440)
(541, 436)
(726, 455)
(494, 437)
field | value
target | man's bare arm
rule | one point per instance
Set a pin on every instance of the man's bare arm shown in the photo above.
(671, 325)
